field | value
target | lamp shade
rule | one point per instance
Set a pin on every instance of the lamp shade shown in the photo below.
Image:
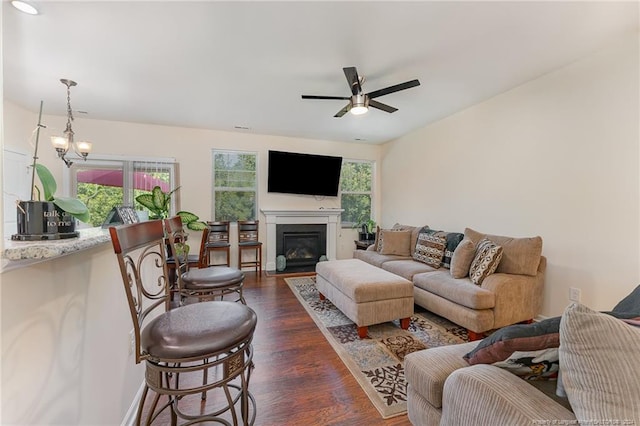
(60, 143)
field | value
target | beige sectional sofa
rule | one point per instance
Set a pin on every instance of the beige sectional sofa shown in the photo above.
(511, 294)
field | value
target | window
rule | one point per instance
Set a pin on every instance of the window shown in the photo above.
(356, 183)
(104, 183)
(234, 185)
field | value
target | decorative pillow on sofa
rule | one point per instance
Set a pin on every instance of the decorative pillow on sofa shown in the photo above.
(462, 258)
(519, 255)
(452, 239)
(396, 242)
(430, 247)
(599, 363)
(486, 260)
(501, 344)
(630, 304)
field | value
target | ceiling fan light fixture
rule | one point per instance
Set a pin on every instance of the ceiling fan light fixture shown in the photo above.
(359, 110)
(359, 104)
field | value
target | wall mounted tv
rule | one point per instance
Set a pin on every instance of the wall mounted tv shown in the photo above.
(294, 173)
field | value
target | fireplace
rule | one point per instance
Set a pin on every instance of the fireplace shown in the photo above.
(325, 216)
(301, 245)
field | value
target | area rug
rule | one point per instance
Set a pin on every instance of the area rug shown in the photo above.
(377, 362)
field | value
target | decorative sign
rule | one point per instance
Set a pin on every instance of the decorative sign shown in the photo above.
(120, 215)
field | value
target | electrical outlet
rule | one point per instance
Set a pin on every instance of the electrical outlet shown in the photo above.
(574, 294)
(132, 341)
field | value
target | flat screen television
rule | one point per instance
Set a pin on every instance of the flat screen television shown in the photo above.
(294, 173)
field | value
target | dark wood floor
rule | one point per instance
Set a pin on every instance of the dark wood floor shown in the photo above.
(298, 378)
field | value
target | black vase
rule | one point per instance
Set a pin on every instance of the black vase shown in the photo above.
(42, 220)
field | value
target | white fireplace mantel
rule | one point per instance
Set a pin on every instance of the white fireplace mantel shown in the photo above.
(286, 217)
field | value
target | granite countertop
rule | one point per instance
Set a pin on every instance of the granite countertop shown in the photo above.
(24, 253)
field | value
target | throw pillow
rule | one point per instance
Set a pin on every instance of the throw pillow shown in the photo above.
(503, 343)
(430, 247)
(599, 363)
(630, 304)
(376, 243)
(486, 260)
(462, 258)
(396, 243)
(452, 239)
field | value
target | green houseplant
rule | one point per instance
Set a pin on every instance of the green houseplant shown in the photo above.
(366, 229)
(158, 203)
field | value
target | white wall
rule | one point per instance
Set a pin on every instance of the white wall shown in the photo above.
(65, 325)
(557, 157)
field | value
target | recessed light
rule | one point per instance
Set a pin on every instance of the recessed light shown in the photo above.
(24, 7)
(241, 127)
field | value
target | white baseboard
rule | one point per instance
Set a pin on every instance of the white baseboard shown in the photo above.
(130, 417)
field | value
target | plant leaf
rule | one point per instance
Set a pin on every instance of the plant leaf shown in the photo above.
(74, 207)
(187, 217)
(147, 201)
(197, 225)
(160, 200)
(48, 182)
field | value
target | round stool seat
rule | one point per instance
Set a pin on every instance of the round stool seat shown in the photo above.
(212, 277)
(198, 330)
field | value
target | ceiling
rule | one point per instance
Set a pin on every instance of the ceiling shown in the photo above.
(223, 65)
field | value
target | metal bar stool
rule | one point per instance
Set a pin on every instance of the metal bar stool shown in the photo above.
(210, 338)
(217, 240)
(206, 283)
(248, 240)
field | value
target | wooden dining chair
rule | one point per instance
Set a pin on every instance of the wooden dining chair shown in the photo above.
(248, 240)
(217, 240)
(201, 348)
(205, 282)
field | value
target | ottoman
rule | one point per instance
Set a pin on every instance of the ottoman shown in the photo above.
(366, 294)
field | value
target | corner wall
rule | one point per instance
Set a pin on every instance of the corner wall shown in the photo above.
(556, 157)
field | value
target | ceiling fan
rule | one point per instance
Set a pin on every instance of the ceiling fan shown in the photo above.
(359, 102)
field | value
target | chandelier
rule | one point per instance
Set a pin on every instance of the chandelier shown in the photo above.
(62, 144)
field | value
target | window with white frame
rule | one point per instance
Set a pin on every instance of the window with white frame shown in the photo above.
(356, 189)
(234, 185)
(103, 183)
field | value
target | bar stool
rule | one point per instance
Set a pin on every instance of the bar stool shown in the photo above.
(181, 345)
(248, 240)
(217, 240)
(206, 283)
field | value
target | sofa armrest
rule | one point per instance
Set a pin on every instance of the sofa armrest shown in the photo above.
(517, 297)
(487, 395)
(427, 370)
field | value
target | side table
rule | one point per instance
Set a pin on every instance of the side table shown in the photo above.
(363, 244)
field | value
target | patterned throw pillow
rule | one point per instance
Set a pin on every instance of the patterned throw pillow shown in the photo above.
(430, 247)
(485, 263)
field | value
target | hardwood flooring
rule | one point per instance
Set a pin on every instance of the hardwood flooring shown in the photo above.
(298, 378)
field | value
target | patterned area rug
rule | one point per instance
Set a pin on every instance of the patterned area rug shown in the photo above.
(376, 362)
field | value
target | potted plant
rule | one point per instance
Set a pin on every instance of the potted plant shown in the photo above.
(366, 230)
(158, 203)
(52, 218)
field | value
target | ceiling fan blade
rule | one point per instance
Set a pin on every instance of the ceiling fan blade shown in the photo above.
(392, 89)
(380, 105)
(343, 111)
(352, 78)
(325, 97)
